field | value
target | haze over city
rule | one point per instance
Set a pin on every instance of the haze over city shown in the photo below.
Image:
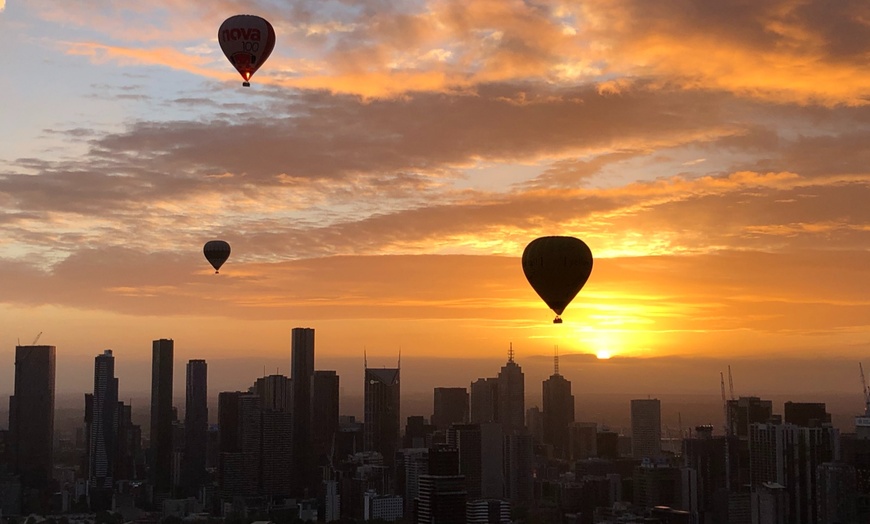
(380, 179)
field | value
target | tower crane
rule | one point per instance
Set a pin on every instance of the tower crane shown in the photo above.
(730, 383)
(724, 403)
(35, 340)
(864, 390)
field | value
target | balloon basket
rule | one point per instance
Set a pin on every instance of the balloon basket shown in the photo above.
(557, 320)
(246, 84)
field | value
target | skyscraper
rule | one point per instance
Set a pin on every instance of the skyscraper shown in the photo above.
(511, 396)
(239, 419)
(382, 412)
(646, 428)
(162, 352)
(484, 400)
(324, 412)
(450, 407)
(195, 426)
(31, 416)
(103, 434)
(302, 373)
(558, 411)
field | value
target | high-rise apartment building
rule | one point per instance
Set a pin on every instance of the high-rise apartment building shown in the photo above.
(442, 495)
(466, 439)
(558, 412)
(275, 392)
(239, 419)
(511, 396)
(31, 417)
(302, 373)
(789, 455)
(162, 354)
(103, 432)
(646, 428)
(382, 400)
(195, 427)
(519, 456)
(806, 414)
(450, 407)
(324, 412)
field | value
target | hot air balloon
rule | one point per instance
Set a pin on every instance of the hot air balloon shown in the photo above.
(216, 252)
(557, 268)
(247, 41)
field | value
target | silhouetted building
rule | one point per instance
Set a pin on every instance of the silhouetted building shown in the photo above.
(302, 373)
(582, 440)
(488, 511)
(466, 439)
(324, 413)
(103, 432)
(511, 396)
(837, 492)
(239, 417)
(656, 485)
(707, 456)
(646, 428)
(418, 434)
(130, 464)
(484, 400)
(162, 352)
(607, 444)
(518, 466)
(275, 392)
(558, 411)
(276, 455)
(195, 427)
(381, 427)
(450, 406)
(535, 424)
(789, 455)
(31, 419)
(806, 414)
(746, 411)
(442, 495)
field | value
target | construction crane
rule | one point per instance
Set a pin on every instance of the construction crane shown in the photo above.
(35, 340)
(730, 383)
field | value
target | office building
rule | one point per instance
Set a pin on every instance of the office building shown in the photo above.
(195, 427)
(382, 427)
(162, 354)
(103, 432)
(388, 508)
(467, 440)
(442, 495)
(31, 418)
(484, 400)
(558, 412)
(511, 396)
(806, 414)
(450, 407)
(275, 392)
(646, 428)
(488, 511)
(518, 466)
(582, 440)
(302, 373)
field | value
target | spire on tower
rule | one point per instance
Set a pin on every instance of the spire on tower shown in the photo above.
(511, 352)
(555, 360)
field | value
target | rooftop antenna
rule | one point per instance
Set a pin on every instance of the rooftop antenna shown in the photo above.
(511, 352)
(556, 360)
(724, 404)
(400, 358)
(365, 358)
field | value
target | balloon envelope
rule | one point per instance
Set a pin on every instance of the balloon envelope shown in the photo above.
(216, 252)
(557, 268)
(247, 41)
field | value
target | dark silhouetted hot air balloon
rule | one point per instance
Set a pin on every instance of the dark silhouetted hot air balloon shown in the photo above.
(557, 268)
(247, 40)
(216, 252)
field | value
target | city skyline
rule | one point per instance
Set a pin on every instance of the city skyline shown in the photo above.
(380, 178)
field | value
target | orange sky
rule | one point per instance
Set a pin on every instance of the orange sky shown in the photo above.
(380, 179)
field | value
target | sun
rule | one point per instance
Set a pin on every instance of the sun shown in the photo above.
(603, 354)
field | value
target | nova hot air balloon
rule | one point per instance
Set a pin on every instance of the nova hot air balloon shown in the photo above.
(216, 252)
(557, 268)
(247, 41)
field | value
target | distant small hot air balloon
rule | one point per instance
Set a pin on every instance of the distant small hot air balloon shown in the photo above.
(247, 41)
(216, 252)
(557, 268)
